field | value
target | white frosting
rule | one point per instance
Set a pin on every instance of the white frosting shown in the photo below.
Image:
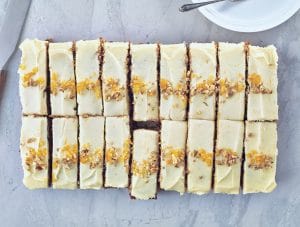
(116, 133)
(145, 143)
(92, 134)
(173, 134)
(64, 132)
(144, 65)
(61, 63)
(115, 66)
(200, 137)
(203, 60)
(33, 131)
(262, 138)
(173, 69)
(263, 61)
(232, 63)
(34, 55)
(230, 135)
(87, 68)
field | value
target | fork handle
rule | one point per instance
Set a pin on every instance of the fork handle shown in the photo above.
(2, 81)
(188, 7)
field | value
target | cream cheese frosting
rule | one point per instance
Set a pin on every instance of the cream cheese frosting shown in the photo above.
(62, 79)
(33, 77)
(203, 65)
(262, 80)
(91, 151)
(200, 146)
(65, 153)
(232, 68)
(228, 155)
(89, 94)
(173, 81)
(144, 82)
(34, 150)
(117, 151)
(114, 79)
(172, 164)
(144, 167)
(260, 157)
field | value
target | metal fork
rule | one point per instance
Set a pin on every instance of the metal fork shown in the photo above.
(188, 7)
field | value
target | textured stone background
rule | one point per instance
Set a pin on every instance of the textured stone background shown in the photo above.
(148, 21)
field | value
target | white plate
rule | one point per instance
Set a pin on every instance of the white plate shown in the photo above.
(250, 15)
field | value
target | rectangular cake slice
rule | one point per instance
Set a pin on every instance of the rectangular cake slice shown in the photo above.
(228, 155)
(33, 77)
(35, 152)
(173, 81)
(144, 82)
(144, 167)
(260, 157)
(262, 81)
(89, 94)
(64, 153)
(232, 68)
(117, 151)
(62, 79)
(172, 163)
(200, 146)
(114, 79)
(91, 149)
(203, 61)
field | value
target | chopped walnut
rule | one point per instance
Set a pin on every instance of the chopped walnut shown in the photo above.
(173, 156)
(227, 89)
(227, 157)
(114, 156)
(206, 87)
(113, 90)
(146, 167)
(93, 159)
(67, 157)
(167, 89)
(88, 85)
(259, 160)
(36, 158)
(29, 81)
(256, 85)
(203, 155)
(139, 87)
(62, 86)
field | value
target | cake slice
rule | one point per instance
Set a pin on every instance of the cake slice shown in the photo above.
(228, 155)
(62, 79)
(172, 163)
(203, 65)
(232, 68)
(117, 152)
(33, 77)
(89, 95)
(64, 153)
(144, 167)
(91, 149)
(144, 82)
(262, 81)
(35, 151)
(173, 81)
(200, 146)
(114, 79)
(260, 157)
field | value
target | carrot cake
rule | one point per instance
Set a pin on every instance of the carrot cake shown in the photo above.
(91, 149)
(228, 155)
(64, 153)
(200, 146)
(35, 151)
(117, 151)
(262, 81)
(260, 157)
(203, 63)
(62, 79)
(89, 95)
(172, 170)
(114, 79)
(144, 82)
(33, 77)
(173, 81)
(232, 68)
(144, 167)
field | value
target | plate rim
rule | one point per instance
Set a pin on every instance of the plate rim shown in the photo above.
(241, 28)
